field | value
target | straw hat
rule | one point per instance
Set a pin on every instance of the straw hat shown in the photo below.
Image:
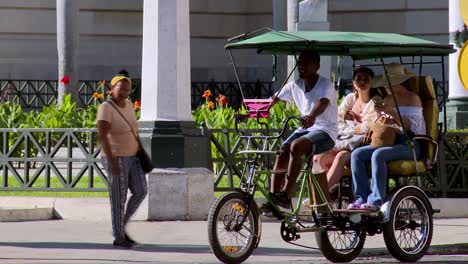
(396, 73)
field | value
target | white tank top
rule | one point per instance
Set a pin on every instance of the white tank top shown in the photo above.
(415, 115)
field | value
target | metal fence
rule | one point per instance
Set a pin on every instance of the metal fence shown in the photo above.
(68, 160)
(448, 179)
(34, 94)
(50, 160)
(231, 91)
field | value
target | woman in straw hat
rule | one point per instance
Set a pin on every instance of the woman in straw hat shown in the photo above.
(115, 122)
(409, 104)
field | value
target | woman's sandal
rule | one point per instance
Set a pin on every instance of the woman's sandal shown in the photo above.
(370, 207)
(354, 206)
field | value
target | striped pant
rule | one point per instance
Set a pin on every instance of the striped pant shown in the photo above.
(131, 177)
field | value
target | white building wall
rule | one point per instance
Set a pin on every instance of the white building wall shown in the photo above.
(111, 33)
(110, 37)
(427, 19)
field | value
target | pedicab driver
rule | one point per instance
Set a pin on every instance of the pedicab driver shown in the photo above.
(315, 98)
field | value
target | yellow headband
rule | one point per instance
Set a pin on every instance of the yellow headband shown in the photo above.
(119, 78)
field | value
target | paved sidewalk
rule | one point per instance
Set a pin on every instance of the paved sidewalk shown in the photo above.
(66, 241)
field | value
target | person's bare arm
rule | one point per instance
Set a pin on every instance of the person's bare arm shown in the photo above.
(388, 107)
(318, 109)
(103, 131)
(274, 99)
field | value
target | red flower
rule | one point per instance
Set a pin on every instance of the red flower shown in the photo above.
(206, 94)
(222, 100)
(137, 105)
(65, 80)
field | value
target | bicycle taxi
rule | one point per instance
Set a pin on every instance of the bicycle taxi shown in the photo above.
(405, 219)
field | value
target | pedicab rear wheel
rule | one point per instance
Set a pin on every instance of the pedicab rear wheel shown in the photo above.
(340, 245)
(230, 242)
(408, 233)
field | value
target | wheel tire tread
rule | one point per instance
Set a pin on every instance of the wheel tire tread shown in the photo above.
(214, 210)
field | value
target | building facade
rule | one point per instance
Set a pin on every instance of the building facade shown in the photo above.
(111, 34)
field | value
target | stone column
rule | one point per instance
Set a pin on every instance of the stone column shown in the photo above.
(293, 16)
(67, 48)
(313, 15)
(177, 190)
(457, 107)
(171, 136)
(280, 23)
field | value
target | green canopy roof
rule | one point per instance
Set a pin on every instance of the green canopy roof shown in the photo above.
(355, 44)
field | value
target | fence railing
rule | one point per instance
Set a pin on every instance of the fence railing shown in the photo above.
(34, 94)
(50, 160)
(449, 178)
(68, 160)
(231, 91)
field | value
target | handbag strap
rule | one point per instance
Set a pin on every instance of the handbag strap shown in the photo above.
(126, 120)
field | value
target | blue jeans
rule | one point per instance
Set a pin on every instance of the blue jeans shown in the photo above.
(378, 158)
(321, 141)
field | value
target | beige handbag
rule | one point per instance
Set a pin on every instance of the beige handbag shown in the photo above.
(381, 134)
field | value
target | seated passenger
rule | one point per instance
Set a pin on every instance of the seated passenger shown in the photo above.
(315, 98)
(355, 115)
(409, 103)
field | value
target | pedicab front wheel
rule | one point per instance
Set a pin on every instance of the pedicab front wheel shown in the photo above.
(408, 233)
(231, 240)
(340, 245)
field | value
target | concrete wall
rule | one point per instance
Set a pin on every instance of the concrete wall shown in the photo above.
(214, 21)
(111, 34)
(111, 37)
(427, 19)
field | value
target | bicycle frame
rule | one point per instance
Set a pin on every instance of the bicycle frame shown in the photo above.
(306, 179)
(256, 179)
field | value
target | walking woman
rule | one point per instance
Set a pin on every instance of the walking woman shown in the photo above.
(115, 122)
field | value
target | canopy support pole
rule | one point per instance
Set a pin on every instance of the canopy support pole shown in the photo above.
(287, 78)
(444, 95)
(237, 76)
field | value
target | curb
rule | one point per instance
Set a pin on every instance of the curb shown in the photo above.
(30, 214)
(449, 249)
(96, 209)
(446, 249)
